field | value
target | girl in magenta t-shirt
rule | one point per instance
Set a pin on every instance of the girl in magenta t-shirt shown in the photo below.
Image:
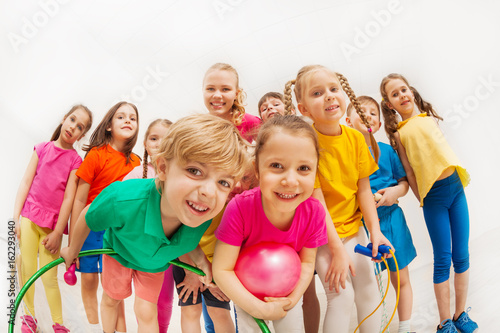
(281, 210)
(42, 208)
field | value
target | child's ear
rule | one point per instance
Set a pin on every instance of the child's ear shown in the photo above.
(162, 168)
(389, 105)
(348, 121)
(303, 109)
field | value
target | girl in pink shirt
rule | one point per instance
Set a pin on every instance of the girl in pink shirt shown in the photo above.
(42, 208)
(281, 210)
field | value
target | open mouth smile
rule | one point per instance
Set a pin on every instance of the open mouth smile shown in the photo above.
(197, 207)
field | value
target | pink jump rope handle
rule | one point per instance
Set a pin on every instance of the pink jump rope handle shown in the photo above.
(70, 276)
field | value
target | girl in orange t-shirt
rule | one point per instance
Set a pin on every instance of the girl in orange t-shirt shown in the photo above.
(109, 158)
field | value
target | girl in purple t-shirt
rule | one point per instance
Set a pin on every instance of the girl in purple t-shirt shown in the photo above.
(42, 208)
(281, 210)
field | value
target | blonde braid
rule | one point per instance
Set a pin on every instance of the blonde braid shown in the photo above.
(352, 97)
(145, 164)
(287, 96)
(390, 123)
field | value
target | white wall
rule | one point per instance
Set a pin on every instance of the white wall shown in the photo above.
(58, 53)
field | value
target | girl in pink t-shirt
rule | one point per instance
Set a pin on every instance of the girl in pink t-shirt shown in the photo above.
(281, 210)
(42, 208)
(225, 99)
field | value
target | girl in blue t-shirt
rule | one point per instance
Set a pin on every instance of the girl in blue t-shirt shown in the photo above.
(388, 184)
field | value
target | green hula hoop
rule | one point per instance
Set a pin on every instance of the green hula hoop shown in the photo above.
(262, 325)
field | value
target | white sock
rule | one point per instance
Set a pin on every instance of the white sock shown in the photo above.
(119, 332)
(404, 326)
(96, 328)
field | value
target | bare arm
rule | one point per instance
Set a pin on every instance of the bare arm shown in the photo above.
(367, 207)
(52, 241)
(82, 193)
(410, 175)
(225, 257)
(80, 233)
(390, 195)
(23, 190)
(200, 260)
(341, 262)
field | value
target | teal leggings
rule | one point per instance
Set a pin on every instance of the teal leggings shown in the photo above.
(447, 217)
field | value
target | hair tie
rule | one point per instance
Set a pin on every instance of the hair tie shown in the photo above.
(369, 129)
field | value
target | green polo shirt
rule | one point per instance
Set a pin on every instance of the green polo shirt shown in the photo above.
(129, 211)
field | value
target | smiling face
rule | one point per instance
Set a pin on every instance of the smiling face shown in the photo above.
(73, 128)
(286, 171)
(156, 133)
(322, 99)
(220, 88)
(123, 124)
(401, 98)
(271, 107)
(192, 193)
(372, 115)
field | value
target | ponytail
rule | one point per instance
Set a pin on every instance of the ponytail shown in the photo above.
(352, 97)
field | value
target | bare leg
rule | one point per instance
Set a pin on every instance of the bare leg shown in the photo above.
(121, 323)
(147, 315)
(90, 283)
(442, 291)
(405, 293)
(190, 318)
(109, 312)
(461, 289)
(222, 319)
(311, 308)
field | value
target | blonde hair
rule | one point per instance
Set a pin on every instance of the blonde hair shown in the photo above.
(166, 123)
(207, 139)
(299, 85)
(391, 117)
(238, 107)
(363, 100)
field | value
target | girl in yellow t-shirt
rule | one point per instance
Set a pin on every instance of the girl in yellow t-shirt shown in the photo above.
(437, 179)
(342, 184)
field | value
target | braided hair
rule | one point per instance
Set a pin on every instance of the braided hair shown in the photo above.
(164, 122)
(298, 84)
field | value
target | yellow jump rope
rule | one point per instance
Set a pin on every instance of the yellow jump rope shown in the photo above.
(367, 251)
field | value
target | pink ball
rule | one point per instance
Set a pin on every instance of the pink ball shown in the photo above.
(268, 269)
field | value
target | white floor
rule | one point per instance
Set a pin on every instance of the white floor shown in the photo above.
(484, 296)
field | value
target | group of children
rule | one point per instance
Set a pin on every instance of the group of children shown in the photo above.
(213, 184)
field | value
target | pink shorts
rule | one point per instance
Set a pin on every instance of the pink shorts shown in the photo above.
(117, 281)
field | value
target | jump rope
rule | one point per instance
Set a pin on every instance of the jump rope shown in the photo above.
(71, 279)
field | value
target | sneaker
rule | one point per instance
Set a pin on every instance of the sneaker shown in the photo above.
(447, 327)
(59, 328)
(29, 324)
(464, 324)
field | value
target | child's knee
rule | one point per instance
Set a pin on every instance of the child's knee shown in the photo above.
(219, 314)
(191, 311)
